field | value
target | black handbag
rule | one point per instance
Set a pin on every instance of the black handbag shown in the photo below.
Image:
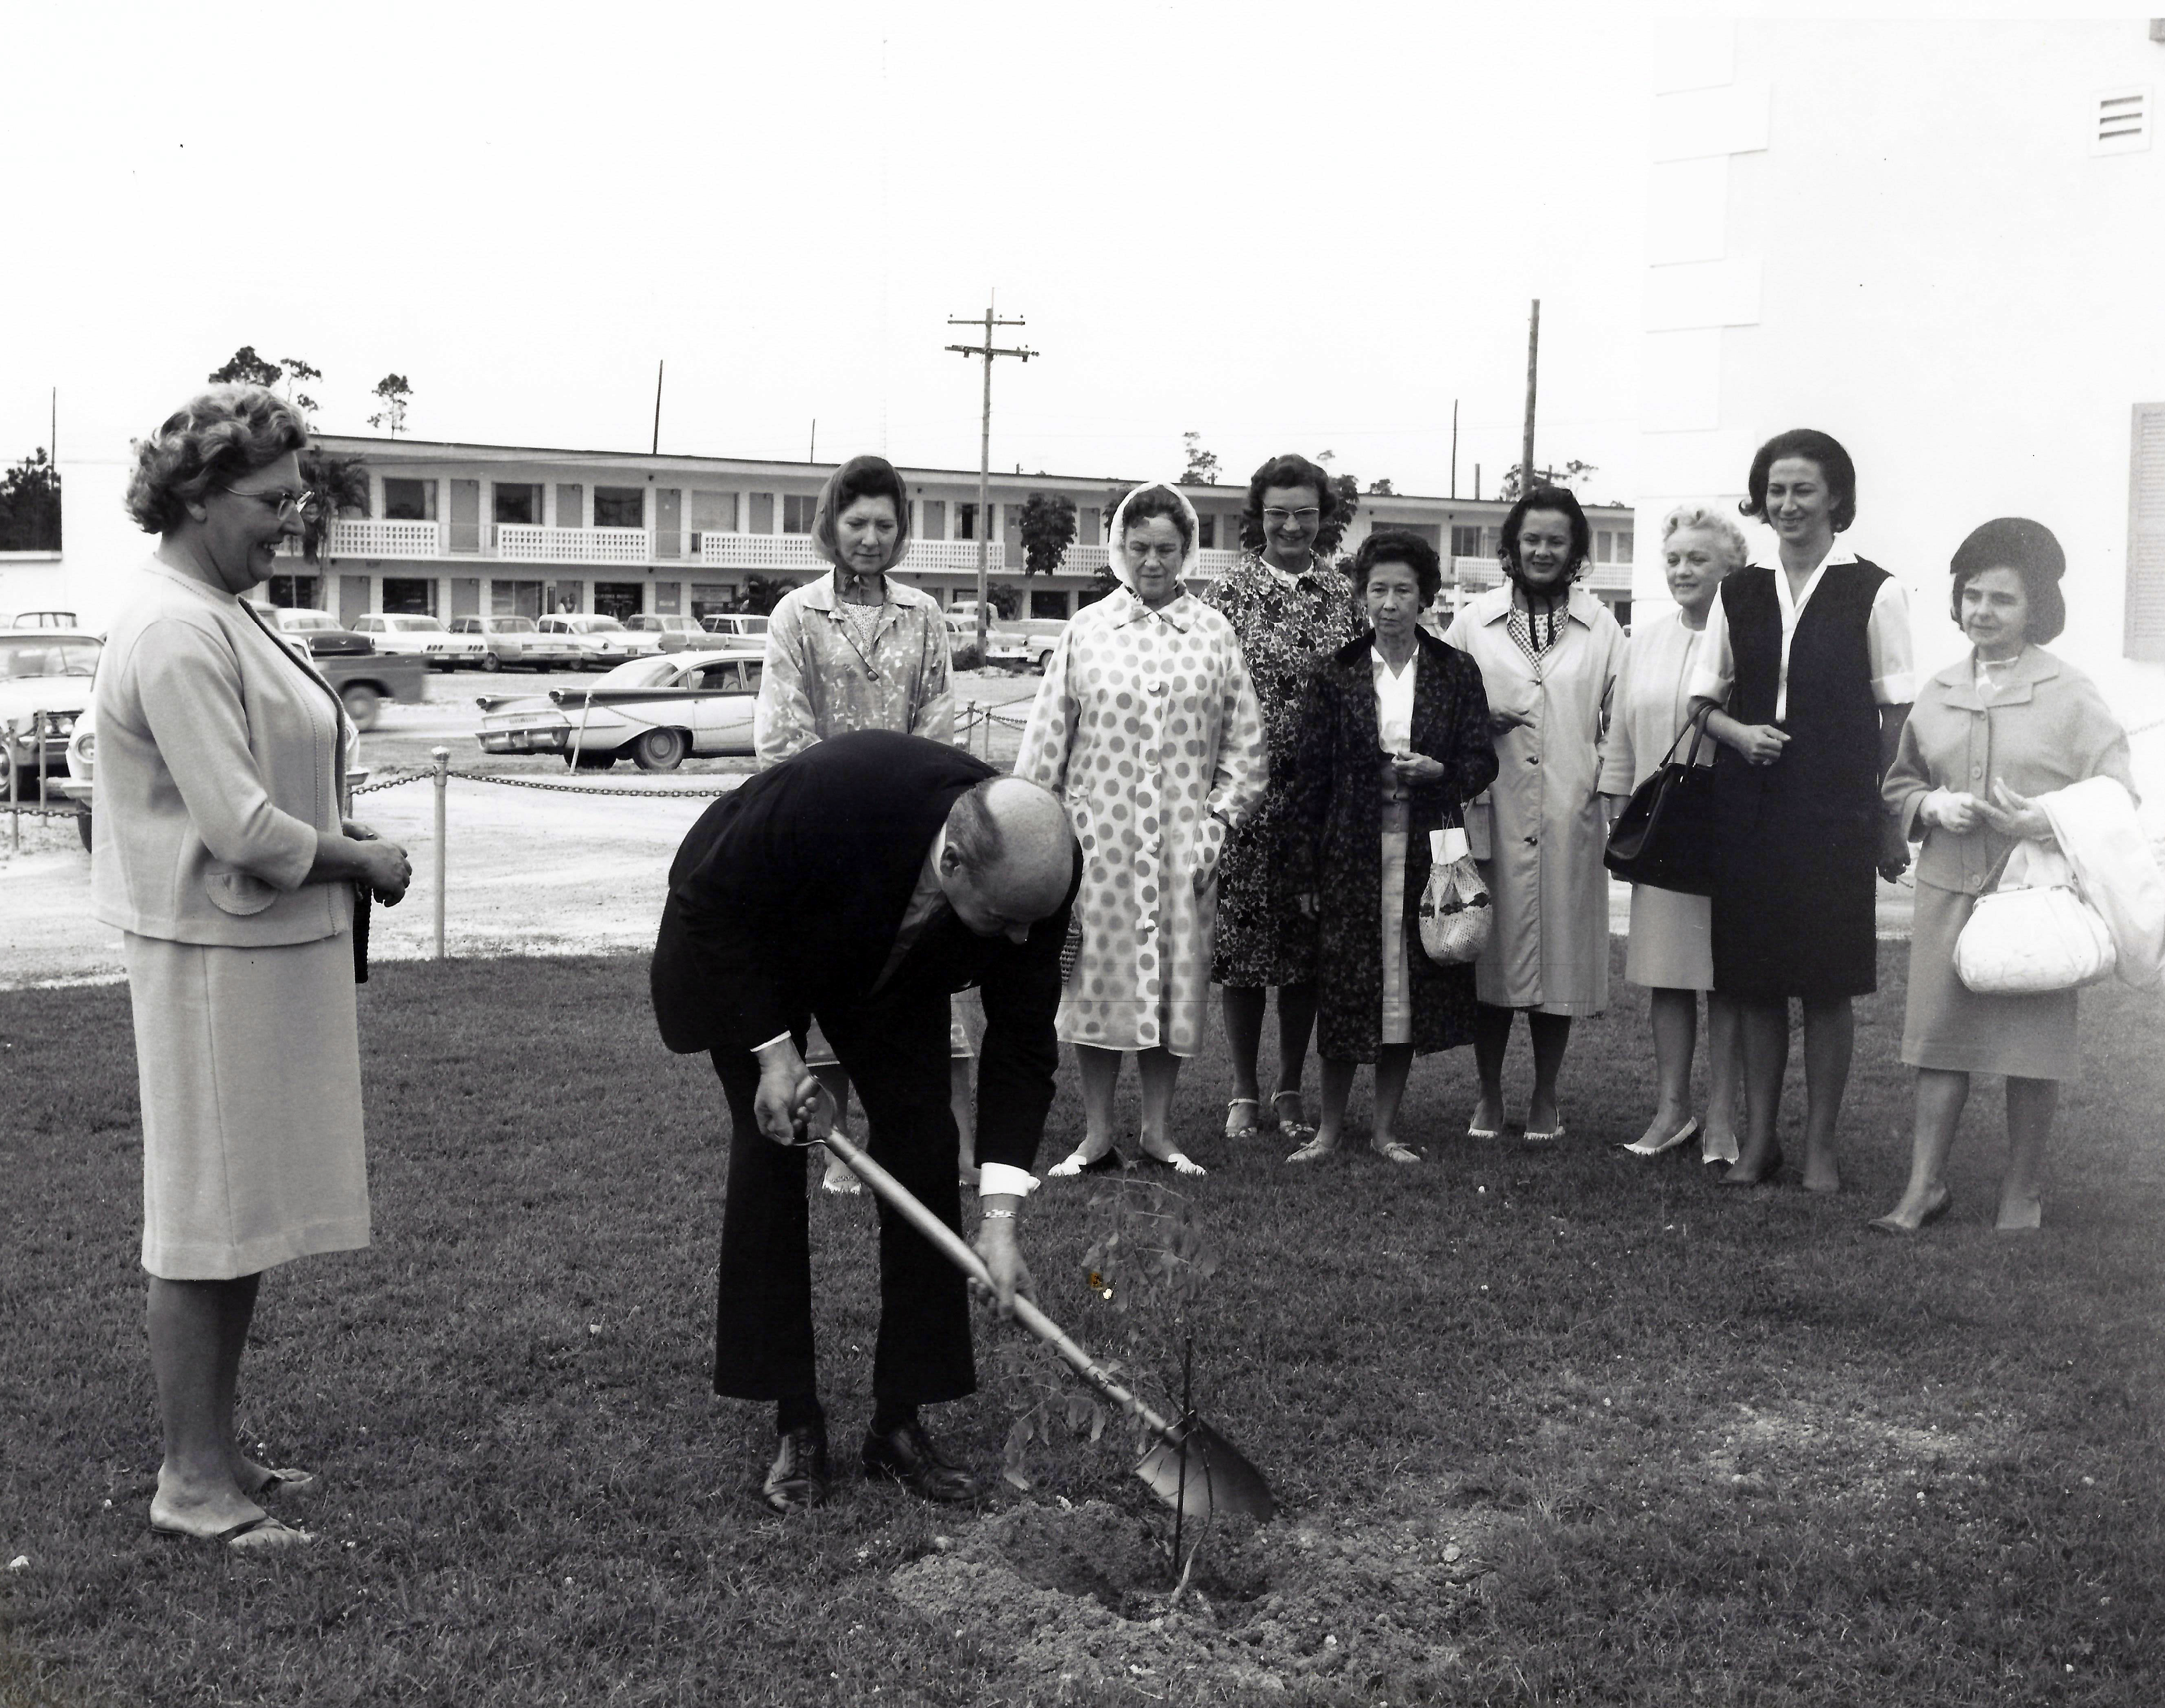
(1665, 835)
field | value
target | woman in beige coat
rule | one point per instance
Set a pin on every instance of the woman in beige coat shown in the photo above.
(1549, 653)
(2004, 723)
(223, 856)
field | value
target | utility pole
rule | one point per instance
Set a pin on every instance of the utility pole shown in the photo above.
(1454, 447)
(1533, 365)
(656, 449)
(813, 455)
(986, 353)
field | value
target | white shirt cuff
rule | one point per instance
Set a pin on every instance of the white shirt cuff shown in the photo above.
(1709, 685)
(1899, 689)
(997, 1178)
(778, 1037)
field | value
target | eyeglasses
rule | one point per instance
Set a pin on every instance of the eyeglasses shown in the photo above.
(1279, 518)
(307, 506)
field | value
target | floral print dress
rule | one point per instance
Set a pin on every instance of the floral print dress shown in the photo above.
(1147, 729)
(1286, 626)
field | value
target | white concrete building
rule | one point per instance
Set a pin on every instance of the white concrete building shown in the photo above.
(1944, 242)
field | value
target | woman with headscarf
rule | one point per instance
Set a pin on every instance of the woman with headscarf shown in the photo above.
(858, 649)
(1549, 652)
(1807, 672)
(1146, 727)
(1289, 606)
(2004, 724)
(1671, 948)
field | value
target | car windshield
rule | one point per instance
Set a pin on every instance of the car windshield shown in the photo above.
(295, 621)
(639, 673)
(598, 625)
(514, 625)
(415, 625)
(47, 658)
(751, 625)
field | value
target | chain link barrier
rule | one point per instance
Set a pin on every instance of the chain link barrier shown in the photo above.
(701, 794)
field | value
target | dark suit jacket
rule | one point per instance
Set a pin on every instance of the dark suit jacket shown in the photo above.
(785, 899)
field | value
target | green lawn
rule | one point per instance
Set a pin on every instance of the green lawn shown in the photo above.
(1558, 1428)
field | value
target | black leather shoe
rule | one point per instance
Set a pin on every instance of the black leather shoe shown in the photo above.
(907, 1456)
(797, 1478)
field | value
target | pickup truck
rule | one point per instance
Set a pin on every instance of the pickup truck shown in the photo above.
(1011, 644)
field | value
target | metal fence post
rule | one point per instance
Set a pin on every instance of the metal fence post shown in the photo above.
(15, 817)
(442, 755)
(45, 792)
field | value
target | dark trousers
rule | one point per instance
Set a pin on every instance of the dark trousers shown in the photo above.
(895, 1050)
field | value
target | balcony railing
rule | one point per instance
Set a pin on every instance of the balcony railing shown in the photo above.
(1478, 575)
(520, 542)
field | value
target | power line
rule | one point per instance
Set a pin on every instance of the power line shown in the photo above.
(986, 352)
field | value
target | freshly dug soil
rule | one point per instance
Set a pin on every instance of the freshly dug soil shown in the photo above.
(1308, 1609)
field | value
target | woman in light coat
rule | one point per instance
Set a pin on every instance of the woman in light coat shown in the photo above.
(2006, 723)
(223, 857)
(1148, 728)
(1671, 952)
(1549, 652)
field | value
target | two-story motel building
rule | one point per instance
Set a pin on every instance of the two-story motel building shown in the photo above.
(457, 530)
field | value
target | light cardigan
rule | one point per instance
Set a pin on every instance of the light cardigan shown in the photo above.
(220, 756)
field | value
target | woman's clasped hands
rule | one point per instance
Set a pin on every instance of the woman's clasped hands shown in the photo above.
(384, 866)
(2008, 813)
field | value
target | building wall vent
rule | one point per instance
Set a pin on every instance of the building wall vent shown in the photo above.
(2121, 121)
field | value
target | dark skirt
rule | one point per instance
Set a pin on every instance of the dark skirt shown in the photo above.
(1794, 901)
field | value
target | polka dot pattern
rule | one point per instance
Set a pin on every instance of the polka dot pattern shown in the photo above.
(1145, 725)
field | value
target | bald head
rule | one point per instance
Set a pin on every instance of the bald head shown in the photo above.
(1009, 857)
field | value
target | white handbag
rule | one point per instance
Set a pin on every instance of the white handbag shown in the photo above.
(1454, 911)
(2034, 932)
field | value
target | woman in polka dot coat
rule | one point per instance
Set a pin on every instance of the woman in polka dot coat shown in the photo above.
(1148, 728)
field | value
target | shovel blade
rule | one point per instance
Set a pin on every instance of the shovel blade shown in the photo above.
(1219, 1477)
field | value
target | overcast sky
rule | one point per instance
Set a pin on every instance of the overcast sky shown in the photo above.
(1283, 228)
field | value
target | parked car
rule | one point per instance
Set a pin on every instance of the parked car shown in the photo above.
(41, 619)
(653, 711)
(516, 642)
(675, 633)
(728, 622)
(1009, 645)
(42, 669)
(604, 640)
(323, 634)
(424, 638)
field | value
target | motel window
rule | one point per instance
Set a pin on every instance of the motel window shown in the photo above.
(796, 511)
(714, 512)
(519, 504)
(966, 521)
(1206, 532)
(411, 596)
(618, 599)
(571, 505)
(1623, 545)
(619, 507)
(1048, 606)
(1465, 542)
(410, 501)
(1089, 525)
(932, 523)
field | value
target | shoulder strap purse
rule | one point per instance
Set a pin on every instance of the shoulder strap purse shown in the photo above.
(1665, 835)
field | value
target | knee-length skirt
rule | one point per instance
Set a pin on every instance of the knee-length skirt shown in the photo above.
(1671, 942)
(249, 1062)
(1947, 1025)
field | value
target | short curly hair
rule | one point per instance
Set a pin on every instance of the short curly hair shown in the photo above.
(1291, 470)
(1705, 519)
(1823, 448)
(1399, 545)
(2033, 552)
(1565, 504)
(216, 438)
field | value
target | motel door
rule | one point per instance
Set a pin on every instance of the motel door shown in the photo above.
(465, 515)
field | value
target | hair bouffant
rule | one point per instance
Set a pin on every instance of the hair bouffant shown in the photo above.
(1705, 519)
(1823, 448)
(1561, 501)
(2030, 550)
(1398, 545)
(1144, 502)
(1291, 470)
(218, 437)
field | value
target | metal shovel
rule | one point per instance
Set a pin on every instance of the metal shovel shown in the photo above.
(1192, 1469)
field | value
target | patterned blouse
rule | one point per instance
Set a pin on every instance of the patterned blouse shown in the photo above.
(821, 680)
(1285, 628)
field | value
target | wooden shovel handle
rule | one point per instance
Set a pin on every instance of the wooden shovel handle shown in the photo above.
(957, 1251)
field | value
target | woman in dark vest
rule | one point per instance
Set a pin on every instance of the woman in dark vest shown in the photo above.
(1808, 666)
